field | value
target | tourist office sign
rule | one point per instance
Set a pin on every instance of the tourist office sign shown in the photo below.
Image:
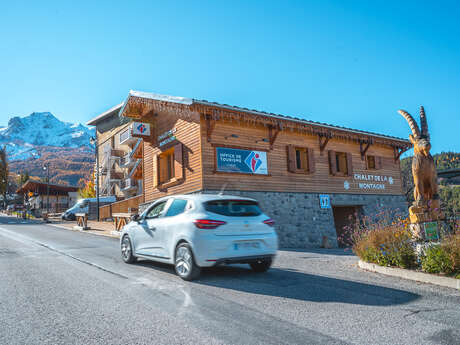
(369, 181)
(140, 128)
(241, 161)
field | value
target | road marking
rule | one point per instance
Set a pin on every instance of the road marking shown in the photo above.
(27, 240)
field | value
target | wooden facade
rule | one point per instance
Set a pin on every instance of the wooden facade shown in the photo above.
(302, 162)
(197, 128)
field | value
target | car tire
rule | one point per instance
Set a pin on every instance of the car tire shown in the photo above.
(184, 263)
(261, 265)
(127, 250)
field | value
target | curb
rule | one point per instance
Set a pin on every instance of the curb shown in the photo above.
(411, 275)
(112, 235)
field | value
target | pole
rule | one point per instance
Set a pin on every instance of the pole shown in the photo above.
(48, 188)
(97, 178)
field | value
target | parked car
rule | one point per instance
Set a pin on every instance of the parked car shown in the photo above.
(194, 231)
(82, 206)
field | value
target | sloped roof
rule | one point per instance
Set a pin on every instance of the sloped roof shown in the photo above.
(104, 115)
(41, 188)
(191, 101)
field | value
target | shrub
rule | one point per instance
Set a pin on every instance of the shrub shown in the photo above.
(386, 246)
(436, 260)
(451, 246)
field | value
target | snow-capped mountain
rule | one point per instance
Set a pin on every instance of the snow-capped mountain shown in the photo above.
(25, 137)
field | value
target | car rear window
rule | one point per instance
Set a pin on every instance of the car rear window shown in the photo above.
(233, 208)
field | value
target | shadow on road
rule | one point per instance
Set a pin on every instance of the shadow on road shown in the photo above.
(290, 283)
(322, 251)
(293, 284)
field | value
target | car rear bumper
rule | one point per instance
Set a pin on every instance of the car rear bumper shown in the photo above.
(215, 250)
(243, 259)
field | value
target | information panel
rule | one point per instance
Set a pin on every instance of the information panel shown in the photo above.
(241, 161)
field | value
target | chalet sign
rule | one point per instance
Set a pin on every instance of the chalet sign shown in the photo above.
(241, 161)
(370, 181)
(140, 128)
(167, 137)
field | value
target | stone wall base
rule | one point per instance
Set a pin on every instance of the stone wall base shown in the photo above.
(301, 223)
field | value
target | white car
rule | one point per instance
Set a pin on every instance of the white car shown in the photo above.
(201, 230)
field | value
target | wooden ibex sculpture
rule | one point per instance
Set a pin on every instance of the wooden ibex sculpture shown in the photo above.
(423, 167)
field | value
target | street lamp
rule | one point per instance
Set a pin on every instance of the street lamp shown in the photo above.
(5, 181)
(93, 141)
(47, 168)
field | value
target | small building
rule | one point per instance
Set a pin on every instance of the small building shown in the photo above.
(42, 197)
(309, 177)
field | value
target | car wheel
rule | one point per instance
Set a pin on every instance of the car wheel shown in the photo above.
(184, 263)
(261, 265)
(127, 250)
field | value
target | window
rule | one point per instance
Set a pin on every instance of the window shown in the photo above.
(373, 162)
(177, 207)
(340, 163)
(166, 167)
(300, 160)
(301, 157)
(156, 210)
(233, 208)
(124, 135)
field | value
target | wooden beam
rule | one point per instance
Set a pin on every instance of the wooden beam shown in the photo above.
(363, 149)
(272, 134)
(323, 140)
(209, 127)
(398, 151)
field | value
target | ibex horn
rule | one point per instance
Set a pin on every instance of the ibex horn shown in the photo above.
(412, 124)
(423, 123)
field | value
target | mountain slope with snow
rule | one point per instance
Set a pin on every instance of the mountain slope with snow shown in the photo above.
(25, 137)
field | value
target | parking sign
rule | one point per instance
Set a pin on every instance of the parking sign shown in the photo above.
(324, 201)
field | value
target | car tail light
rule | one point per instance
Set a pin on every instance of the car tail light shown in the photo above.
(269, 222)
(208, 223)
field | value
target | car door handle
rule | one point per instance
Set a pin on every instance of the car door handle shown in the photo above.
(153, 228)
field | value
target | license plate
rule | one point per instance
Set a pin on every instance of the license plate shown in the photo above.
(246, 245)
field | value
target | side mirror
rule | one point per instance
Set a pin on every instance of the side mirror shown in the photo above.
(135, 217)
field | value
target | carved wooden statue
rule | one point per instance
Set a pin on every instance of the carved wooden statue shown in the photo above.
(426, 204)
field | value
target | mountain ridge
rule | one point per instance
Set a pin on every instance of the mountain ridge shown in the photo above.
(23, 136)
(41, 138)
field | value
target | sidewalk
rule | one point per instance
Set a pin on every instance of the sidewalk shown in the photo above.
(95, 227)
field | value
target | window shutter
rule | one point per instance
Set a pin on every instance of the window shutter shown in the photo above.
(378, 162)
(332, 162)
(291, 158)
(156, 171)
(311, 161)
(178, 161)
(349, 164)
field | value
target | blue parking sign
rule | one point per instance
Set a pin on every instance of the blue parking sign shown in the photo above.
(324, 201)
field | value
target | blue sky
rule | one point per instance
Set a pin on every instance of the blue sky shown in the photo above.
(349, 63)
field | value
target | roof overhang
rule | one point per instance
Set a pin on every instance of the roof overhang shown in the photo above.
(42, 188)
(136, 107)
(104, 115)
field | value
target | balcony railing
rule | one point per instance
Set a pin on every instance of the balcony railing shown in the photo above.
(127, 161)
(126, 137)
(128, 183)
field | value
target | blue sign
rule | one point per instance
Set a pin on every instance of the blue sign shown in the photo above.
(241, 161)
(324, 201)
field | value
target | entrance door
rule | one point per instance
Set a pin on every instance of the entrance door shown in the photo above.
(344, 217)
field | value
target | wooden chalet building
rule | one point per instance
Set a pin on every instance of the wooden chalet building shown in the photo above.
(43, 197)
(308, 176)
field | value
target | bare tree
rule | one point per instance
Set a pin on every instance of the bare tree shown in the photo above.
(4, 172)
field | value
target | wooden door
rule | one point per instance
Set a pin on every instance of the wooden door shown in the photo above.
(344, 218)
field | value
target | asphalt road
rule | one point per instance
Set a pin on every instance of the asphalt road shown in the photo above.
(65, 287)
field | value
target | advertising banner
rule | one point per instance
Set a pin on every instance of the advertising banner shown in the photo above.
(241, 161)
